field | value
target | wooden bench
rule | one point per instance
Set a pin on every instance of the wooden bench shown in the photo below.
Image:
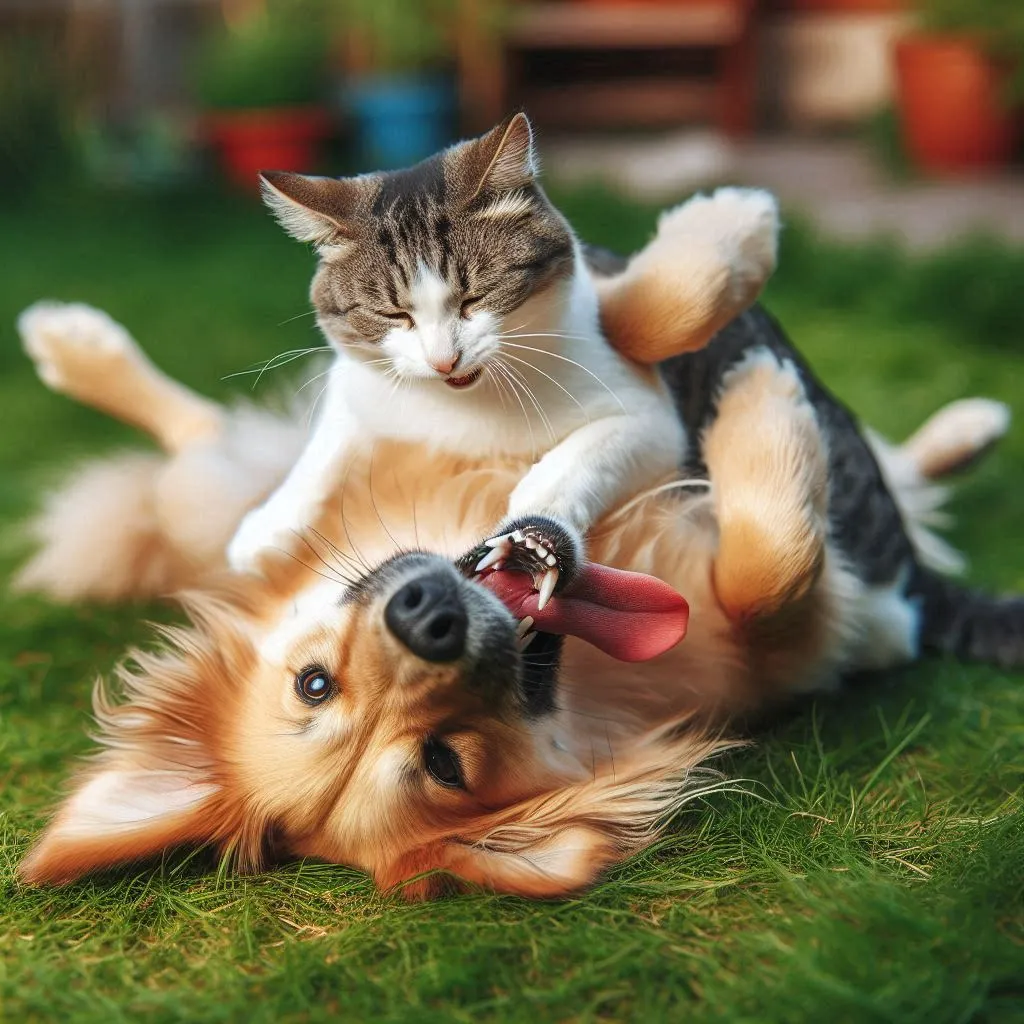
(491, 78)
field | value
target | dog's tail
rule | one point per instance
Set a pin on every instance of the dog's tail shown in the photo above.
(955, 437)
(967, 623)
(98, 535)
(145, 524)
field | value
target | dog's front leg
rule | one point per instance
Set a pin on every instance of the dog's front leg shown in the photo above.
(298, 503)
(769, 473)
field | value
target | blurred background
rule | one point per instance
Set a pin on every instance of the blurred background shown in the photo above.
(899, 115)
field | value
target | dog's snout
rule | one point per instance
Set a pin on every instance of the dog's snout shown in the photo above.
(428, 616)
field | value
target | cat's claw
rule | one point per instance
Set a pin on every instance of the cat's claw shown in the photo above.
(547, 587)
(539, 548)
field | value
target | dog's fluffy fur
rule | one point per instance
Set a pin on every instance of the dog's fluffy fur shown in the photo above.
(207, 742)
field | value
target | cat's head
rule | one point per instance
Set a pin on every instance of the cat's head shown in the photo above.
(425, 268)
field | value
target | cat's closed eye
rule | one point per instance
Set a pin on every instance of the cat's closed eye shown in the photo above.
(398, 316)
(469, 304)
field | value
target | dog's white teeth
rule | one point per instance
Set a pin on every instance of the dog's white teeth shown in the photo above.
(492, 557)
(547, 588)
(498, 542)
(525, 641)
(517, 537)
(551, 560)
(531, 543)
(524, 626)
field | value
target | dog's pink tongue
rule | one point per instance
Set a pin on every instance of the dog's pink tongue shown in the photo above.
(628, 615)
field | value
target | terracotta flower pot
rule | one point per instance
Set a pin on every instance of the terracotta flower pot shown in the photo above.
(952, 105)
(269, 139)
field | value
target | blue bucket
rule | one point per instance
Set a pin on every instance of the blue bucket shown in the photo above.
(401, 120)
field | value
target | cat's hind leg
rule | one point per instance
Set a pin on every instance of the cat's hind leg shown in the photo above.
(83, 353)
(768, 466)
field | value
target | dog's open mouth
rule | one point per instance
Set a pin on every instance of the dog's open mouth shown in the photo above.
(466, 381)
(628, 615)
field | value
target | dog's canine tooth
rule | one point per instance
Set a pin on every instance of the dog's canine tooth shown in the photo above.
(498, 542)
(492, 557)
(525, 641)
(547, 588)
(524, 626)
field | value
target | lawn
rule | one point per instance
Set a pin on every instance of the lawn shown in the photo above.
(875, 871)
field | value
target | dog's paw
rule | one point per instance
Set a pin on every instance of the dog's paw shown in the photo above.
(549, 550)
(71, 343)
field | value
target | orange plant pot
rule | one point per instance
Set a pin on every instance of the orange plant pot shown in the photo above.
(950, 95)
(271, 139)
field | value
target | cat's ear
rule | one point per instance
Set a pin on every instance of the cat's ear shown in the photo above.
(317, 210)
(123, 812)
(504, 159)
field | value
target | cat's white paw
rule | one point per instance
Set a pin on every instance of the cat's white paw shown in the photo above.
(71, 344)
(741, 223)
(274, 526)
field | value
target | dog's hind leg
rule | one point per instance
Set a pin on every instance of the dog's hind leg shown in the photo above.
(81, 352)
(769, 474)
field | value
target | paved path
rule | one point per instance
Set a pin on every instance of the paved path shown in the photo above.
(835, 183)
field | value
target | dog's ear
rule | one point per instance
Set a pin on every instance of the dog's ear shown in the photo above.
(157, 782)
(562, 841)
(565, 862)
(124, 811)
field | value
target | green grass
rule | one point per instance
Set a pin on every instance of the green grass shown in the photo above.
(876, 874)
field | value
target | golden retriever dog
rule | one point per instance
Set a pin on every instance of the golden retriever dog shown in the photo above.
(374, 700)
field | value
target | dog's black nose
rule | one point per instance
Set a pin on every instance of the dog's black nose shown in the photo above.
(428, 616)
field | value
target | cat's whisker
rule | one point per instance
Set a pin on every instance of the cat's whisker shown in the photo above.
(491, 379)
(533, 398)
(503, 370)
(564, 335)
(566, 359)
(298, 316)
(311, 380)
(558, 384)
(528, 391)
(500, 386)
(653, 492)
(316, 402)
(281, 359)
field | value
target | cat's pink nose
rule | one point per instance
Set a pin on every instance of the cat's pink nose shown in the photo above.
(445, 363)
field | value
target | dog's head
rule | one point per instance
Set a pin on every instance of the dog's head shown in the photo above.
(392, 723)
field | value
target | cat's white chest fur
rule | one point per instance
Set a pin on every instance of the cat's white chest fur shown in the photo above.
(597, 428)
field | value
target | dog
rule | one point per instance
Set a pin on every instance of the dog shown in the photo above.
(367, 701)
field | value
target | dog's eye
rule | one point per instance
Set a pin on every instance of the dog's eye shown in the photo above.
(443, 763)
(314, 684)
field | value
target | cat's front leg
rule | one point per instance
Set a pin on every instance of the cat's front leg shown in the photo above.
(297, 504)
(581, 479)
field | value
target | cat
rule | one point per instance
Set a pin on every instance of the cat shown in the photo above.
(462, 313)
